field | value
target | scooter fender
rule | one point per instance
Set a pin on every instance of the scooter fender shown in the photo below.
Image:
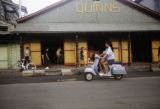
(118, 69)
(90, 70)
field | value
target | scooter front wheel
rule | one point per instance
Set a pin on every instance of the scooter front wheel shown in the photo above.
(88, 76)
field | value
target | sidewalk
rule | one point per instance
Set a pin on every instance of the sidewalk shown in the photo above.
(59, 73)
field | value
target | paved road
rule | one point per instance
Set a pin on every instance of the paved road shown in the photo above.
(129, 93)
(14, 78)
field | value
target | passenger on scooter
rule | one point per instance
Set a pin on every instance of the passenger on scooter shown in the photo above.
(107, 58)
(96, 60)
(97, 66)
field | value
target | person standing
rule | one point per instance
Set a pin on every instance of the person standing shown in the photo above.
(82, 56)
(27, 56)
(46, 59)
(108, 58)
(59, 55)
(159, 56)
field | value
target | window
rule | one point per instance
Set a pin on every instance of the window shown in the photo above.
(3, 28)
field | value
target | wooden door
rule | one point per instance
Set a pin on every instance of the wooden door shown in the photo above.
(124, 52)
(4, 57)
(69, 52)
(35, 51)
(155, 46)
(116, 48)
(83, 43)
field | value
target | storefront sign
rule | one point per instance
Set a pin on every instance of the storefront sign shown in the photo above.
(98, 6)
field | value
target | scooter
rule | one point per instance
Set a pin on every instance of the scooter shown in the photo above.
(117, 71)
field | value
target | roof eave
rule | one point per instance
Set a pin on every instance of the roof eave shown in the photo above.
(62, 2)
(48, 8)
(141, 8)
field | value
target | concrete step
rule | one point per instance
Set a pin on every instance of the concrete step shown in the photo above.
(138, 67)
(53, 70)
(63, 71)
(26, 73)
(155, 68)
(143, 67)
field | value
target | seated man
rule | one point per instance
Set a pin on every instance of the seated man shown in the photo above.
(107, 58)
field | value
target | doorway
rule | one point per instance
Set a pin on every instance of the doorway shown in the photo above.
(141, 49)
(95, 44)
(53, 45)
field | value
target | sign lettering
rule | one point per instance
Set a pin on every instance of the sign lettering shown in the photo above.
(98, 7)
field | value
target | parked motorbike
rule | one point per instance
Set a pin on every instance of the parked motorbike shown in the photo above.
(28, 66)
(115, 70)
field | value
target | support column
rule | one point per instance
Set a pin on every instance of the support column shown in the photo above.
(129, 50)
(21, 47)
(77, 59)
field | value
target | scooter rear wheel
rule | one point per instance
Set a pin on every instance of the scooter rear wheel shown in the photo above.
(88, 76)
(118, 77)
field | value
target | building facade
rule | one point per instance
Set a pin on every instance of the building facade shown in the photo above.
(133, 31)
(9, 43)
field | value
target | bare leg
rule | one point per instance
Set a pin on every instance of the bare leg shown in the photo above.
(105, 65)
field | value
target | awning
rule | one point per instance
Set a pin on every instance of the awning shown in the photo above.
(85, 27)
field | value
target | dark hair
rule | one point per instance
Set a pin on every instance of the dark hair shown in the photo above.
(27, 47)
(110, 44)
(46, 49)
(82, 48)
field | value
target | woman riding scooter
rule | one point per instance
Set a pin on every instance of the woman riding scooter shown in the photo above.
(107, 59)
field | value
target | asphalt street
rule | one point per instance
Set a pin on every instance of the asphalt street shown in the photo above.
(129, 93)
(16, 77)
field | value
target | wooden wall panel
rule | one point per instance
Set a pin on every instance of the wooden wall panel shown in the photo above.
(116, 47)
(35, 46)
(4, 57)
(116, 52)
(83, 43)
(155, 46)
(69, 52)
(36, 57)
(35, 51)
(124, 52)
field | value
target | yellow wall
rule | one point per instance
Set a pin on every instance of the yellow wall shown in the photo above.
(35, 51)
(155, 46)
(120, 50)
(69, 52)
(83, 43)
(117, 52)
(124, 51)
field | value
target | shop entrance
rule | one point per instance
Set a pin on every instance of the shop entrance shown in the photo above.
(53, 45)
(95, 45)
(141, 49)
